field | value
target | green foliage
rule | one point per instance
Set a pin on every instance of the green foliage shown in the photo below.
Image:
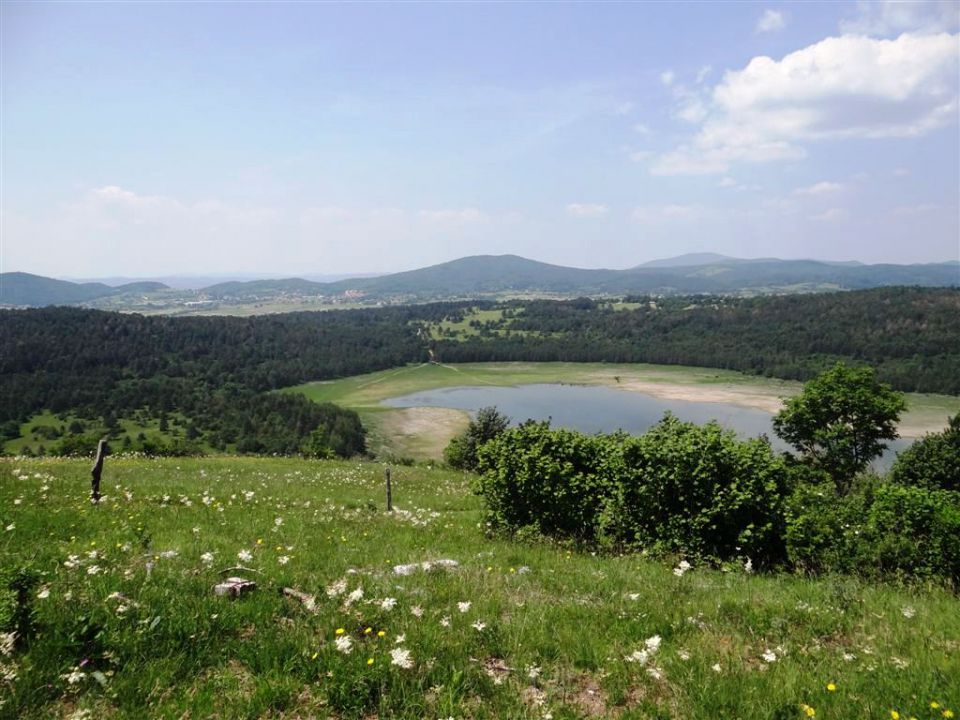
(679, 488)
(556, 480)
(461, 453)
(698, 490)
(839, 421)
(933, 461)
(878, 530)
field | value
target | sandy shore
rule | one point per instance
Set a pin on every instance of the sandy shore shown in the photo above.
(705, 393)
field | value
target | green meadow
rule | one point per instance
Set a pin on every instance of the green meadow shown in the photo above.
(418, 613)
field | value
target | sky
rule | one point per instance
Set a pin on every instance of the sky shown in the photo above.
(147, 139)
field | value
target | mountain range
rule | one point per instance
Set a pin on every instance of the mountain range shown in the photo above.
(491, 275)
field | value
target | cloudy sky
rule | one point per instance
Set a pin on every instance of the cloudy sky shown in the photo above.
(147, 139)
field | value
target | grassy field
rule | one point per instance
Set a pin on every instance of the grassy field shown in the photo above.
(127, 625)
(423, 434)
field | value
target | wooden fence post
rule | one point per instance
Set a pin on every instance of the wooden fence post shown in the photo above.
(386, 474)
(97, 469)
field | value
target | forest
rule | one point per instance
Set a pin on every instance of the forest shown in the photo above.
(217, 374)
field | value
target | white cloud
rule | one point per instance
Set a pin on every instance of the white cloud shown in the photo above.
(892, 17)
(770, 21)
(832, 215)
(587, 210)
(624, 108)
(641, 155)
(727, 182)
(667, 77)
(703, 72)
(642, 129)
(846, 87)
(819, 189)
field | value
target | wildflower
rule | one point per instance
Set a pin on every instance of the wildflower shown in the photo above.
(337, 588)
(388, 603)
(634, 596)
(381, 633)
(908, 611)
(808, 711)
(463, 606)
(683, 655)
(831, 687)
(533, 672)
(340, 631)
(683, 567)
(934, 705)
(369, 661)
(245, 556)
(344, 644)
(207, 558)
(368, 631)
(93, 570)
(748, 566)
(44, 593)
(11, 527)
(283, 559)
(849, 657)
(399, 640)
(6, 643)
(354, 596)
(769, 656)
(479, 625)
(445, 621)
(652, 643)
(416, 611)
(278, 521)
(655, 672)
(74, 676)
(894, 715)
(401, 657)
(948, 713)
(638, 656)
(716, 668)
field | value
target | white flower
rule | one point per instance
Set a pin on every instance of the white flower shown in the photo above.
(354, 596)
(196, 530)
(6, 643)
(463, 606)
(283, 559)
(769, 656)
(248, 494)
(634, 596)
(716, 668)
(404, 569)
(748, 565)
(278, 521)
(207, 558)
(445, 621)
(637, 656)
(388, 603)
(44, 593)
(169, 554)
(416, 611)
(401, 657)
(849, 657)
(93, 570)
(908, 611)
(399, 639)
(683, 655)
(74, 676)
(682, 568)
(245, 556)
(344, 644)
(533, 671)
(652, 643)
(479, 625)
(338, 588)
(11, 527)
(655, 672)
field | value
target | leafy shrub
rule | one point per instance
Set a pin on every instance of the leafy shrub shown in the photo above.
(933, 461)
(461, 453)
(823, 530)
(698, 490)
(556, 479)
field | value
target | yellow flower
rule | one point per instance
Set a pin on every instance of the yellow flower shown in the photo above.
(340, 631)
(314, 656)
(808, 711)
(368, 631)
(259, 541)
(948, 713)
(381, 633)
(369, 661)
(894, 715)
(831, 687)
(934, 705)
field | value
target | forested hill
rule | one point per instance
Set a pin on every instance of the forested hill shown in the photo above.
(217, 371)
(910, 335)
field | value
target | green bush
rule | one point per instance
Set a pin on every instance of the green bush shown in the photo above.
(933, 461)
(555, 479)
(823, 530)
(462, 452)
(698, 490)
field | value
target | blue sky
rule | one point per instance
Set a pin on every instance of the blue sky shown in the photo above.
(145, 139)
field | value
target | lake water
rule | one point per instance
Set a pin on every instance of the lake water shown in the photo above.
(597, 408)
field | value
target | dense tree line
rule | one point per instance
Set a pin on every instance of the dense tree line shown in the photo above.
(910, 335)
(218, 371)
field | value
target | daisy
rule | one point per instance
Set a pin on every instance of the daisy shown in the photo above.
(401, 657)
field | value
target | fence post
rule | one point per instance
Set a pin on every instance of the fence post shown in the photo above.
(386, 474)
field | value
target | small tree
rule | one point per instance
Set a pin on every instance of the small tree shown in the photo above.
(461, 453)
(933, 461)
(840, 420)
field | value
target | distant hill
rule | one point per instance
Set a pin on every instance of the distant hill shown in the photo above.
(23, 289)
(490, 275)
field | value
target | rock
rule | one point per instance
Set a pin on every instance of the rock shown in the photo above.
(234, 587)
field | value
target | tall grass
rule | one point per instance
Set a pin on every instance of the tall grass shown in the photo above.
(122, 620)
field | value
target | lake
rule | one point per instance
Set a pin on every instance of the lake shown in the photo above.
(598, 408)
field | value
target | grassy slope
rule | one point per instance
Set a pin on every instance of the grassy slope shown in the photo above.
(169, 648)
(391, 429)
